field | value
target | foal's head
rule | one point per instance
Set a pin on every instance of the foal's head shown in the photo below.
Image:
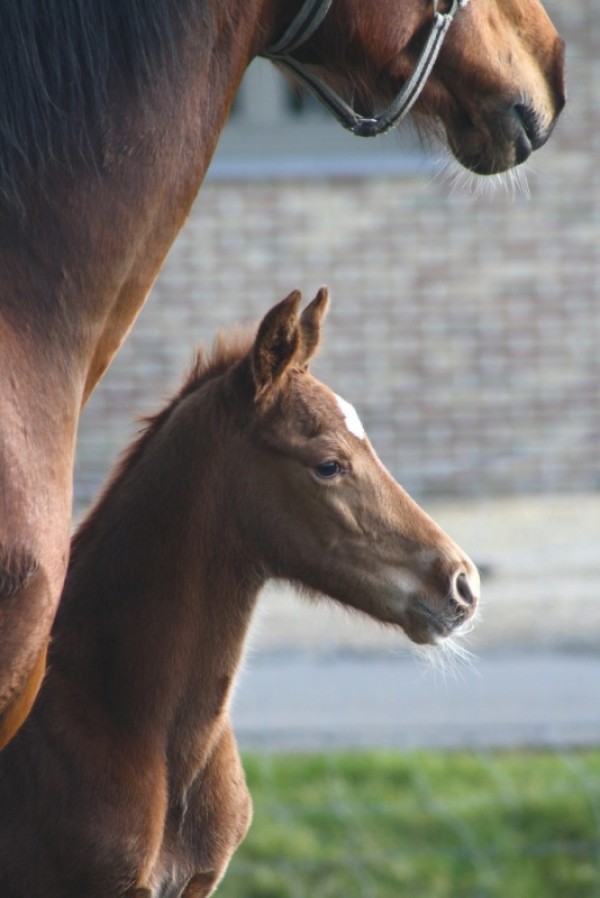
(315, 504)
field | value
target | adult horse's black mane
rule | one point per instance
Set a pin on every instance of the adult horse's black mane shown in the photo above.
(58, 59)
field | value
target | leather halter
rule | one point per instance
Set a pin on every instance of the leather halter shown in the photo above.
(303, 27)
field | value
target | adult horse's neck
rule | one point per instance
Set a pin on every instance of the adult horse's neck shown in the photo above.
(176, 135)
(78, 257)
(159, 594)
(96, 225)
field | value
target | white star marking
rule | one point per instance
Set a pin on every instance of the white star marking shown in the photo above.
(353, 422)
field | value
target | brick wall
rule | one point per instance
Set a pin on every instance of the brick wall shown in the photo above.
(465, 328)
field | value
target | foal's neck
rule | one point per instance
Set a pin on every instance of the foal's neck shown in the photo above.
(160, 591)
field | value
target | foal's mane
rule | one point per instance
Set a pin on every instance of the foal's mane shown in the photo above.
(57, 58)
(228, 349)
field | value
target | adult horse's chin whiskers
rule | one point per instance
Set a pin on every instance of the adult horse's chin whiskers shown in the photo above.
(513, 182)
(448, 169)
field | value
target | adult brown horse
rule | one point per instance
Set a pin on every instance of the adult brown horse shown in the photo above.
(125, 780)
(109, 115)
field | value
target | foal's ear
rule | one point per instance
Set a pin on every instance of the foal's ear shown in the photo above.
(310, 324)
(276, 343)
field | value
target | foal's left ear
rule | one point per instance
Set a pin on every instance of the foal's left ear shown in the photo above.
(276, 344)
(310, 325)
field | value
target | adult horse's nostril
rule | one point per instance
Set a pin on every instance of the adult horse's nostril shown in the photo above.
(526, 119)
(521, 126)
(463, 589)
(531, 134)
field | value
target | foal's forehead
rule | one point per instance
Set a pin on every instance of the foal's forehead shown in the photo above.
(351, 419)
(332, 410)
(311, 423)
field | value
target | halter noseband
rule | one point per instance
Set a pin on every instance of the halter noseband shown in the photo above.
(303, 27)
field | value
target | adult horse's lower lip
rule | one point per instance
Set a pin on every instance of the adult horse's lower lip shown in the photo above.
(498, 140)
(494, 139)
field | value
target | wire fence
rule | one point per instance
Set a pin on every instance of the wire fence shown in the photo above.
(437, 825)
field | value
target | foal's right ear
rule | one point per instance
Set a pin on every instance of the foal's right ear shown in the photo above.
(310, 324)
(276, 344)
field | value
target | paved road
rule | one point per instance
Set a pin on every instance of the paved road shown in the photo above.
(300, 701)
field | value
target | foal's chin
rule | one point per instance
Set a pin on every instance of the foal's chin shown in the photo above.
(426, 627)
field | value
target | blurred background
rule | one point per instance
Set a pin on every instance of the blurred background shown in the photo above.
(465, 328)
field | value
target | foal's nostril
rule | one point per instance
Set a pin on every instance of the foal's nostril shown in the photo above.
(464, 591)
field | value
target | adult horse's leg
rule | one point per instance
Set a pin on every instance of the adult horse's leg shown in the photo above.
(70, 293)
(36, 457)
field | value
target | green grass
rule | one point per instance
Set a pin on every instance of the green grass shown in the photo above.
(425, 825)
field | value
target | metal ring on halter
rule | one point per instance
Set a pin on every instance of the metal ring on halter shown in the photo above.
(306, 23)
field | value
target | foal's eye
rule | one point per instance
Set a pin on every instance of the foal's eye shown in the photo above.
(328, 469)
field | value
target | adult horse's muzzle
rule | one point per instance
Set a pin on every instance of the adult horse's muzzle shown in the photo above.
(491, 135)
(498, 139)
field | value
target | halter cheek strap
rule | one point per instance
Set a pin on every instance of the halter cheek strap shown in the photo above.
(303, 27)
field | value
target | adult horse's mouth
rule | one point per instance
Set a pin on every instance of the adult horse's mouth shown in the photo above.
(496, 139)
